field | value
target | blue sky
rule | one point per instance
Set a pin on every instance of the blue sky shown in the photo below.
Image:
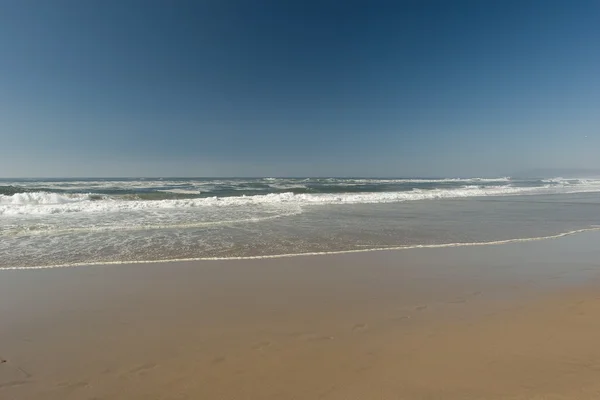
(311, 88)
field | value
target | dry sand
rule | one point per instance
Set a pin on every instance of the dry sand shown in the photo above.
(519, 321)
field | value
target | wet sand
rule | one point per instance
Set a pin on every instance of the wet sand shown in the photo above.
(516, 321)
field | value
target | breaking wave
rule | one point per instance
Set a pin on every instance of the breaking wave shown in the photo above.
(56, 203)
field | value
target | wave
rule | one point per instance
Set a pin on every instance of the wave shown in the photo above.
(41, 198)
(417, 180)
(53, 203)
(94, 185)
(571, 181)
(324, 253)
(179, 191)
(202, 188)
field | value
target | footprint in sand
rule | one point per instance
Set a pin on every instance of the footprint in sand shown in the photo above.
(143, 368)
(13, 384)
(217, 360)
(261, 345)
(465, 299)
(12, 376)
(359, 327)
(311, 337)
(74, 385)
(318, 338)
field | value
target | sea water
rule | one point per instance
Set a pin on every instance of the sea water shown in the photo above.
(67, 222)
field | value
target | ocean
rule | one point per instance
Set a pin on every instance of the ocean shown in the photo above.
(68, 222)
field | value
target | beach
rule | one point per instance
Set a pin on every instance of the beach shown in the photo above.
(299, 200)
(509, 321)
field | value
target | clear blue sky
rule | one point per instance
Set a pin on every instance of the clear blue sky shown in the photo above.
(298, 88)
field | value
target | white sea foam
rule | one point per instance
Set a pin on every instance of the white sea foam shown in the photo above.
(45, 230)
(180, 191)
(323, 253)
(40, 198)
(51, 203)
(572, 181)
(425, 180)
(158, 183)
(89, 185)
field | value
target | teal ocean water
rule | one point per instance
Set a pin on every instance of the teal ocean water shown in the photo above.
(64, 222)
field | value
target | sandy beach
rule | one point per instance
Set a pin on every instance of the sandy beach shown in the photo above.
(515, 321)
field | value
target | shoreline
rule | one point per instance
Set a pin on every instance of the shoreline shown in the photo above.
(518, 321)
(590, 229)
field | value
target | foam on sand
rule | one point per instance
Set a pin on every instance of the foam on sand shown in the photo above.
(387, 248)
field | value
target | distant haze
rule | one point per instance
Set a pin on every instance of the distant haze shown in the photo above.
(291, 88)
(557, 172)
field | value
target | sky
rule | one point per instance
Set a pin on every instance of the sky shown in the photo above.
(298, 88)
